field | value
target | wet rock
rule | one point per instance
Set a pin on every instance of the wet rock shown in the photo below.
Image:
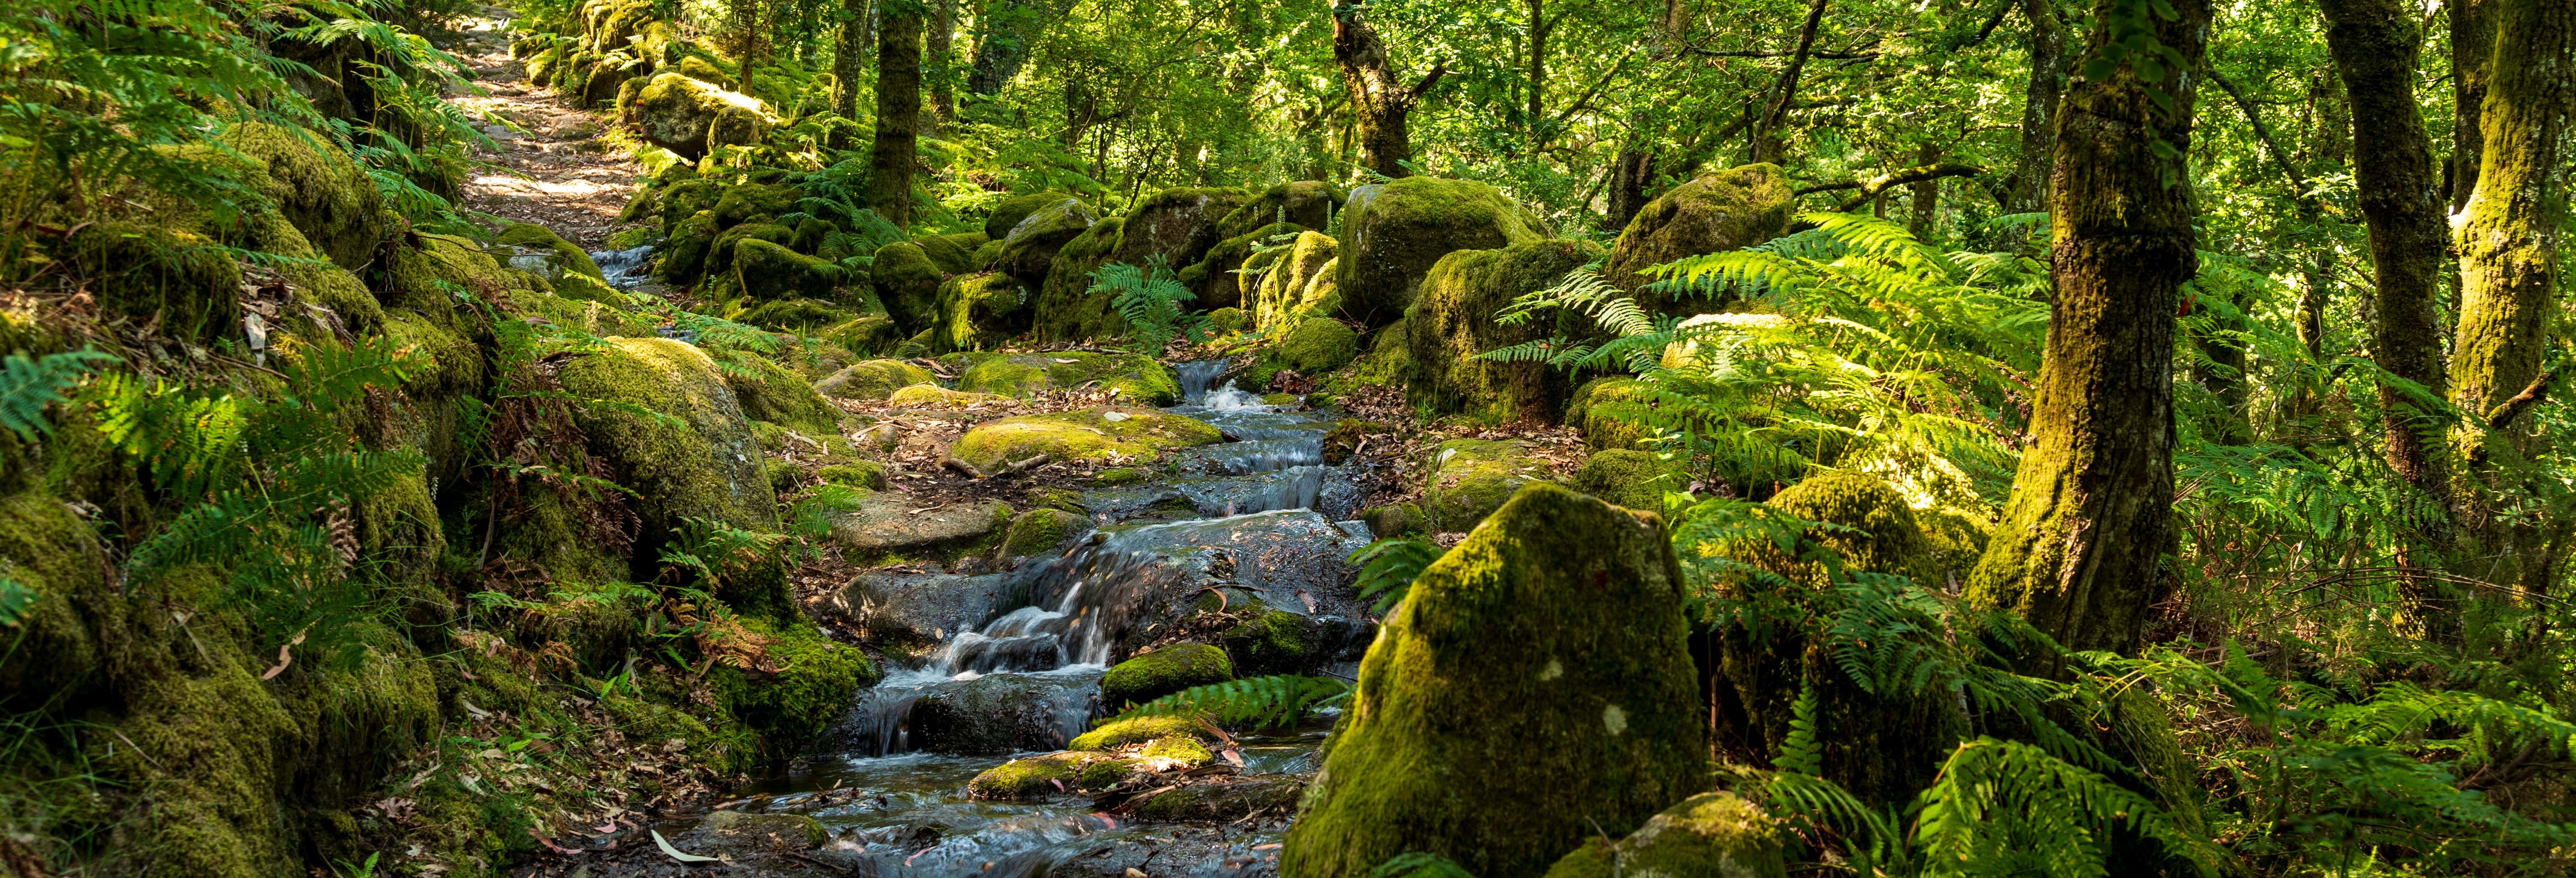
(1223, 799)
(1454, 320)
(794, 831)
(1471, 478)
(893, 523)
(1532, 690)
(1163, 672)
(872, 379)
(690, 116)
(1105, 433)
(1054, 774)
(1041, 531)
(1716, 212)
(1710, 835)
(1030, 248)
(924, 608)
(1276, 641)
(1137, 379)
(1394, 232)
(1001, 713)
(1622, 477)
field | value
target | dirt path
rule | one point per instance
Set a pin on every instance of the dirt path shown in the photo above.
(554, 169)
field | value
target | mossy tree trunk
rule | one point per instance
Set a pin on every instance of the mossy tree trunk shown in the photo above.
(890, 164)
(2079, 550)
(1003, 29)
(1379, 102)
(1924, 196)
(2508, 270)
(2376, 46)
(849, 64)
(2029, 192)
(941, 66)
(2473, 44)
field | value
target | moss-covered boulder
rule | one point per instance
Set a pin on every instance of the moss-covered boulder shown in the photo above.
(728, 244)
(565, 264)
(1029, 250)
(1178, 225)
(1040, 531)
(933, 396)
(1067, 308)
(1319, 344)
(1163, 672)
(893, 524)
(1228, 321)
(978, 311)
(776, 394)
(1010, 212)
(1609, 411)
(1105, 433)
(798, 317)
(808, 682)
(1214, 278)
(698, 460)
(1883, 746)
(954, 254)
(1298, 284)
(1470, 478)
(1453, 320)
(1626, 477)
(319, 189)
(690, 116)
(1275, 641)
(1137, 379)
(1532, 690)
(1054, 774)
(755, 202)
(1308, 203)
(684, 256)
(176, 280)
(1395, 519)
(1136, 730)
(872, 379)
(769, 271)
(1392, 233)
(1710, 835)
(1716, 212)
(907, 280)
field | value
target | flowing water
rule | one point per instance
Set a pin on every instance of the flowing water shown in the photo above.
(1256, 518)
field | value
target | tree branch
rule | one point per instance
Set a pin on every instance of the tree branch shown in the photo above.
(1872, 187)
(2298, 183)
(2504, 414)
(1430, 79)
(1851, 55)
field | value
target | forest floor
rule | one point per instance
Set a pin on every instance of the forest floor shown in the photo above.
(553, 166)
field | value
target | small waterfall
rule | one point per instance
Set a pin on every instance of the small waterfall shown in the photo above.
(1195, 377)
(1231, 399)
(624, 269)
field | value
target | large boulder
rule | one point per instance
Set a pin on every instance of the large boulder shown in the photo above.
(1309, 203)
(1297, 283)
(1029, 250)
(1710, 835)
(1176, 224)
(1714, 213)
(888, 523)
(1317, 345)
(320, 190)
(1454, 320)
(691, 117)
(977, 311)
(680, 441)
(769, 271)
(1624, 477)
(1163, 672)
(1137, 379)
(1105, 433)
(1068, 310)
(1532, 690)
(1470, 478)
(1215, 279)
(563, 263)
(1392, 233)
(872, 379)
(907, 280)
(1008, 214)
(1000, 714)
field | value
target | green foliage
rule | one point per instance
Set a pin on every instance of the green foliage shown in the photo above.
(1275, 701)
(2008, 808)
(1419, 865)
(27, 386)
(1150, 298)
(718, 552)
(1388, 567)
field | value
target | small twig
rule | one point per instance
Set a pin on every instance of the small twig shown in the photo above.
(963, 468)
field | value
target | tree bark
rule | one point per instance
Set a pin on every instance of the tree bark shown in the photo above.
(2029, 189)
(1767, 144)
(1379, 103)
(940, 65)
(1002, 35)
(849, 63)
(890, 164)
(2509, 263)
(2376, 45)
(2079, 550)
(1628, 180)
(1924, 196)
(2473, 44)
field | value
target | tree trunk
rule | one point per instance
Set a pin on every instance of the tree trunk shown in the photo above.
(2376, 45)
(1628, 182)
(1767, 144)
(2078, 552)
(849, 63)
(2473, 44)
(2029, 188)
(1379, 104)
(1002, 36)
(940, 66)
(1538, 28)
(890, 165)
(1924, 197)
(2509, 267)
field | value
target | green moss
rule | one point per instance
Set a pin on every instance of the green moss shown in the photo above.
(978, 311)
(1319, 344)
(1396, 519)
(1053, 774)
(932, 396)
(686, 257)
(1710, 835)
(1091, 434)
(1040, 530)
(320, 190)
(1213, 277)
(690, 116)
(1029, 251)
(1068, 309)
(1471, 478)
(1607, 412)
(1183, 751)
(907, 281)
(683, 199)
(176, 281)
(1163, 672)
(1453, 320)
(1136, 378)
(52, 553)
(728, 244)
(1394, 232)
(1299, 283)
(1533, 689)
(794, 316)
(954, 254)
(1275, 642)
(771, 392)
(1720, 210)
(1119, 733)
(872, 379)
(769, 271)
(1122, 475)
(1008, 214)
(1634, 479)
(706, 465)
(867, 474)
(817, 681)
(754, 202)
(1227, 321)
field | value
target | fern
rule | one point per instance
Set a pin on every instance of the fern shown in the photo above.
(1253, 702)
(1149, 298)
(27, 386)
(2004, 807)
(1419, 865)
(1388, 567)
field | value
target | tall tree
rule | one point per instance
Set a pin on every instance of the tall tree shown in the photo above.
(2029, 188)
(2473, 44)
(890, 164)
(849, 63)
(940, 67)
(2509, 258)
(1767, 143)
(2078, 551)
(1003, 32)
(1380, 102)
(2376, 46)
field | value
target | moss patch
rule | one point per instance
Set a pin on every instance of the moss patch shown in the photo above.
(1471, 478)
(1163, 672)
(1394, 232)
(872, 379)
(907, 281)
(979, 311)
(1319, 344)
(1067, 309)
(1040, 530)
(1634, 479)
(1053, 774)
(1714, 834)
(769, 271)
(1716, 212)
(1453, 320)
(1120, 733)
(1137, 379)
(1105, 433)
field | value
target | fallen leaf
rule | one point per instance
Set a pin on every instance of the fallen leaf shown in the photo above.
(551, 845)
(283, 658)
(1265, 847)
(674, 853)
